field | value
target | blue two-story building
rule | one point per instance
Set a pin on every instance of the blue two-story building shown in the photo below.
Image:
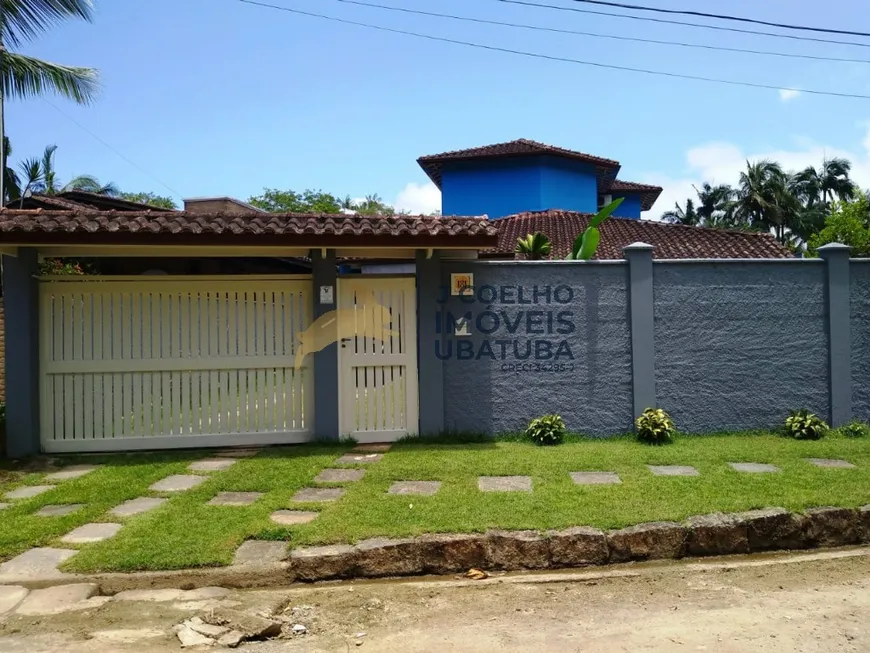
(524, 176)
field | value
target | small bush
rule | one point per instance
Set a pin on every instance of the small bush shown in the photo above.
(549, 429)
(804, 425)
(854, 429)
(655, 426)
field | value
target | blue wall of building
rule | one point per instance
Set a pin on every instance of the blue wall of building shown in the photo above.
(568, 185)
(630, 208)
(506, 186)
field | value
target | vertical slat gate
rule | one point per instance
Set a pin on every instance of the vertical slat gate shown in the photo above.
(133, 363)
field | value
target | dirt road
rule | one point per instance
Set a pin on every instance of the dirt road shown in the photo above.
(802, 602)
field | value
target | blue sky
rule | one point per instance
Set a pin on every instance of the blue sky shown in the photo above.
(216, 97)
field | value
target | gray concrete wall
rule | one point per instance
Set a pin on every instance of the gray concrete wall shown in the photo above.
(860, 321)
(592, 391)
(739, 345)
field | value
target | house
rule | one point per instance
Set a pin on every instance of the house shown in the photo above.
(259, 328)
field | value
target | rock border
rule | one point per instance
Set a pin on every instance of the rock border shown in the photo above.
(706, 535)
(581, 546)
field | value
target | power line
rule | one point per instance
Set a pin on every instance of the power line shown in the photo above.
(105, 144)
(741, 19)
(557, 30)
(536, 55)
(665, 21)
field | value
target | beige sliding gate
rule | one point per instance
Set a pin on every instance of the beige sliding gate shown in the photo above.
(164, 362)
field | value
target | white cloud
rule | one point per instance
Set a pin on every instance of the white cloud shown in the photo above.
(419, 199)
(788, 94)
(721, 163)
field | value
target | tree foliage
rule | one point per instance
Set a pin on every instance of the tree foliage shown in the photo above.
(534, 246)
(159, 201)
(24, 76)
(288, 201)
(791, 205)
(849, 224)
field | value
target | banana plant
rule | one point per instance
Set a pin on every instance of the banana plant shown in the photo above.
(586, 243)
(534, 246)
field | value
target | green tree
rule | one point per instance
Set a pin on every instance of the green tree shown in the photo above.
(152, 199)
(371, 205)
(849, 224)
(43, 178)
(24, 76)
(682, 215)
(764, 200)
(288, 201)
(534, 246)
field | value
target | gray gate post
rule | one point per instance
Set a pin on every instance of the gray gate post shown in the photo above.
(642, 324)
(21, 297)
(326, 406)
(836, 258)
(430, 369)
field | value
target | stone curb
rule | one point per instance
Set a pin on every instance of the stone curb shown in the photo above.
(706, 535)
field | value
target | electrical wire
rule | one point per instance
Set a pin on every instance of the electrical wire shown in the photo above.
(556, 30)
(537, 55)
(108, 146)
(741, 19)
(718, 28)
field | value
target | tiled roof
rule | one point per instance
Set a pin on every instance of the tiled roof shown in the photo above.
(256, 227)
(648, 194)
(432, 164)
(671, 241)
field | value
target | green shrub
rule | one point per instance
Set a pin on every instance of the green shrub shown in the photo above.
(854, 429)
(655, 426)
(549, 429)
(804, 425)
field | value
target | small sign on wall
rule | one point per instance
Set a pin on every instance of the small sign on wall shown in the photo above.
(327, 295)
(461, 283)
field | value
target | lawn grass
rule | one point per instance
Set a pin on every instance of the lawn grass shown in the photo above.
(556, 502)
(186, 533)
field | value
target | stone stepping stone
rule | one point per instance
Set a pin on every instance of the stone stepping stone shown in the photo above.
(424, 488)
(595, 478)
(831, 463)
(178, 483)
(34, 563)
(91, 533)
(137, 506)
(293, 517)
(28, 491)
(54, 600)
(754, 468)
(10, 597)
(59, 511)
(359, 458)
(235, 498)
(212, 465)
(372, 448)
(318, 494)
(504, 483)
(260, 553)
(71, 472)
(340, 475)
(673, 470)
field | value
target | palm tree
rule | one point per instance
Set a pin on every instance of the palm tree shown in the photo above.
(31, 172)
(680, 215)
(764, 200)
(91, 184)
(42, 178)
(827, 183)
(25, 77)
(716, 205)
(11, 182)
(534, 246)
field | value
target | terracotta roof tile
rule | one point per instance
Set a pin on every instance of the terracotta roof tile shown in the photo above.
(432, 163)
(671, 241)
(15, 223)
(648, 194)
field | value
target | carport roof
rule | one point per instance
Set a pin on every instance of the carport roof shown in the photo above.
(23, 227)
